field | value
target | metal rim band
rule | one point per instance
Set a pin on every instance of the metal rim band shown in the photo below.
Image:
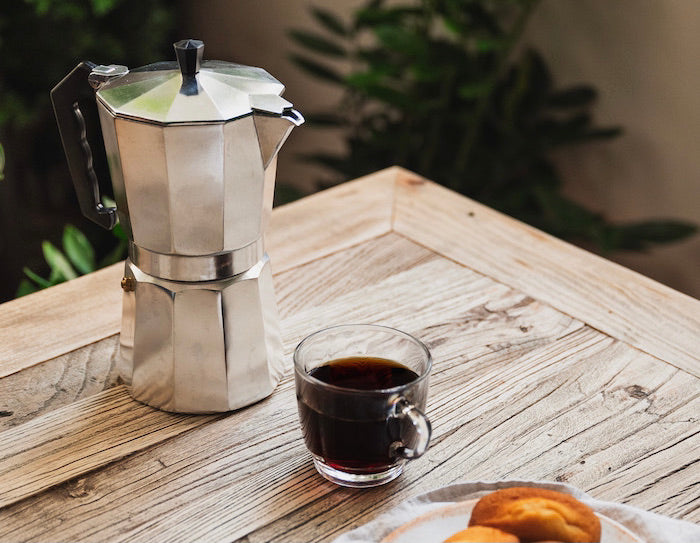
(196, 268)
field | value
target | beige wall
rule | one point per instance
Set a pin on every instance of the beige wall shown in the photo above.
(640, 54)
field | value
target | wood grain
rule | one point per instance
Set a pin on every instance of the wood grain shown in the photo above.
(58, 382)
(541, 424)
(60, 319)
(624, 304)
(609, 297)
(322, 280)
(472, 310)
(538, 374)
(509, 371)
(82, 436)
(91, 369)
(331, 220)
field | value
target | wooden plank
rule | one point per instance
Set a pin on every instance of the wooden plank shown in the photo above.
(58, 382)
(536, 418)
(331, 220)
(59, 319)
(662, 472)
(82, 436)
(68, 316)
(246, 480)
(609, 297)
(323, 280)
(519, 389)
(245, 470)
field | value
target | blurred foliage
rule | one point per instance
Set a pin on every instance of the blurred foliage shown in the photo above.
(439, 87)
(286, 193)
(77, 258)
(41, 41)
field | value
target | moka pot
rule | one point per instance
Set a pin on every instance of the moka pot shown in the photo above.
(191, 149)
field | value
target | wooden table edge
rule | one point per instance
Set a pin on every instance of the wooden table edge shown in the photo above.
(396, 200)
(617, 301)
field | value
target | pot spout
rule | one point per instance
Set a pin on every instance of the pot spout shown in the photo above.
(274, 128)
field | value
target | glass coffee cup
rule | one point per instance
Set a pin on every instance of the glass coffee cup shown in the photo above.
(361, 393)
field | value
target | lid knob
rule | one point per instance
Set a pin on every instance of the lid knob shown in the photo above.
(189, 56)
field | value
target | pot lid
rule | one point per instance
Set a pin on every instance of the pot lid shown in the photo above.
(190, 90)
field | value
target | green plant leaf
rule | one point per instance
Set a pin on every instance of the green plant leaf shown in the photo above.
(101, 7)
(25, 287)
(41, 6)
(78, 249)
(61, 269)
(539, 84)
(329, 120)
(316, 69)
(363, 80)
(643, 234)
(439, 87)
(286, 193)
(470, 91)
(400, 39)
(480, 17)
(38, 279)
(388, 95)
(453, 25)
(117, 254)
(378, 61)
(118, 232)
(373, 16)
(577, 96)
(489, 44)
(329, 21)
(317, 43)
(602, 133)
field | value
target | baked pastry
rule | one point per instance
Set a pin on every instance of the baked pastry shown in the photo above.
(482, 534)
(537, 514)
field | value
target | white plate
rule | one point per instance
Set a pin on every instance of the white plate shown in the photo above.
(439, 524)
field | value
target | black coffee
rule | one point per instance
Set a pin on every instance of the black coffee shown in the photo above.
(364, 373)
(351, 431)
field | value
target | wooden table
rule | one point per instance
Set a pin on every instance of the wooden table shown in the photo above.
(550, 363)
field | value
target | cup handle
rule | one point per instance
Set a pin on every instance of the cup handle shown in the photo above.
(403, 409)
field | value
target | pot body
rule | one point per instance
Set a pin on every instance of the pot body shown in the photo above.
(194, 189)
(200, 330)
(200, 347)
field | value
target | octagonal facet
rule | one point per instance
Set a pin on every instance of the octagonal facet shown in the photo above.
(201, 347)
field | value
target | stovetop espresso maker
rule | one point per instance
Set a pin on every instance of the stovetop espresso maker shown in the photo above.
(191, 149)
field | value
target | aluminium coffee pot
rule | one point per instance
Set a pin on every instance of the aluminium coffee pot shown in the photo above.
(191, 149)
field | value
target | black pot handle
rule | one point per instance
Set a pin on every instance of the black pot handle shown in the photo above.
(76, 114)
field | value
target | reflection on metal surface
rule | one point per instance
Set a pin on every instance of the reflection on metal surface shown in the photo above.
(227, 92)
(202, 347)
(193, 171)
(193, 189)
(197, 268)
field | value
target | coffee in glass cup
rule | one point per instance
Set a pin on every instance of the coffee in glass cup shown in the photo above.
(361, 393)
